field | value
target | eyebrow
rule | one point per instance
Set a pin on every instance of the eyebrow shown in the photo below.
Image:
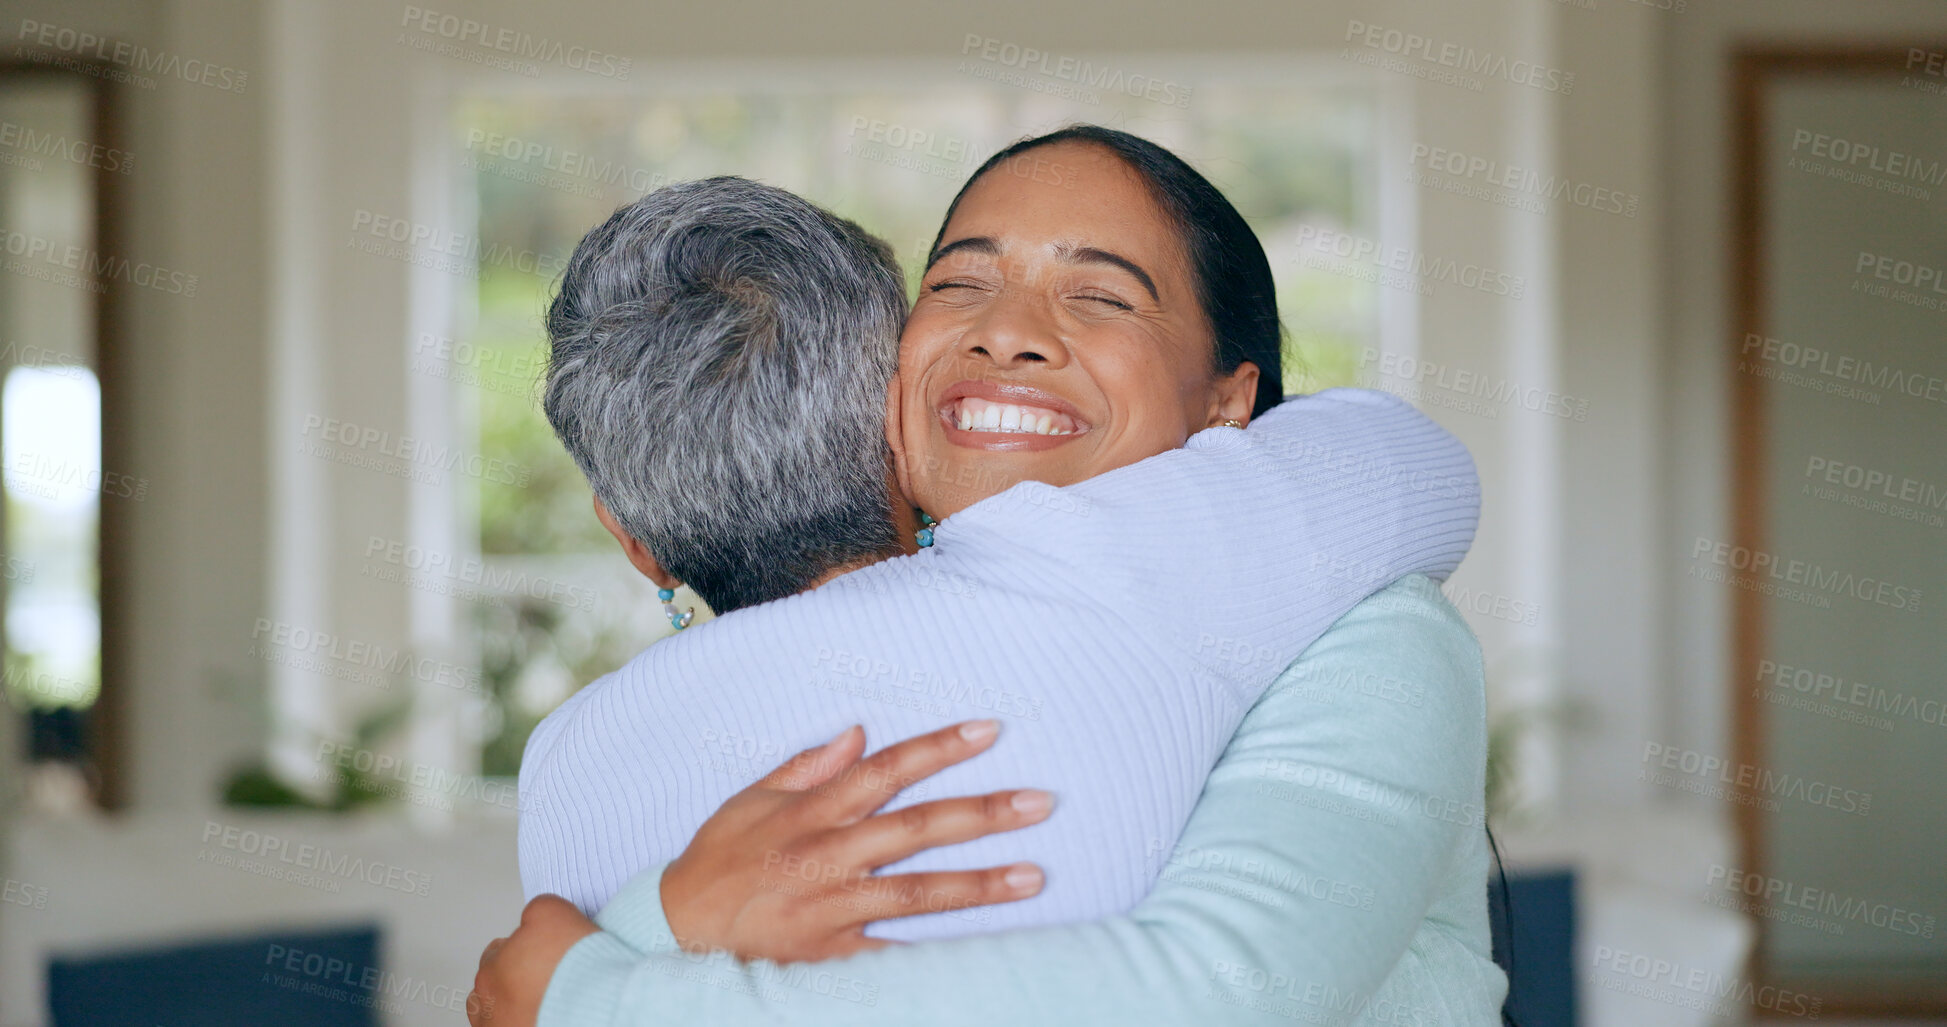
(1067, 252)
(972, 244)
(1090, 255)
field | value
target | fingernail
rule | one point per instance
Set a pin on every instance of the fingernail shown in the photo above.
(1023, 877)
(837, 738)
(979, 730)
(1032, 802)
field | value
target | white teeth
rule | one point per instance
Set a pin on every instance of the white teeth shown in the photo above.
(982, 415)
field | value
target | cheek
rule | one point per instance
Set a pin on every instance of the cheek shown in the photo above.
(918, 352)
(928, 342)
(1142, 381)
(925, 323)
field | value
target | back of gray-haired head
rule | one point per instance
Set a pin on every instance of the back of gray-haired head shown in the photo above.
(721, 351)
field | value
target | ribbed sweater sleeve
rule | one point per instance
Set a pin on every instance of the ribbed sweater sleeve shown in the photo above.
(1247, 544)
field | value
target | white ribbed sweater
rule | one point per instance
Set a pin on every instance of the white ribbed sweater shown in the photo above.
(1118, 628)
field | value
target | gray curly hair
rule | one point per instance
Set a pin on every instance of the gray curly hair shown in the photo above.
(720, 356)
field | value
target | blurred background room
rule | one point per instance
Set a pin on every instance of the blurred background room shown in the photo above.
(293, 565)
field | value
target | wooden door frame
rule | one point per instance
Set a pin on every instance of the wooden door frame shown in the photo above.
(1753, 68)
(108, 719)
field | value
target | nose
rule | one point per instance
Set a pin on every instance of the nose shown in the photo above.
(1015, 332)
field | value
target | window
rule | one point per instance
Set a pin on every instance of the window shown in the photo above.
(1296, 154)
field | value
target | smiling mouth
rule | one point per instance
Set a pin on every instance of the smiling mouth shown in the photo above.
(973, 414)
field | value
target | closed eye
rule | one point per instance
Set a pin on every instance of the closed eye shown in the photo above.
(1110, 300)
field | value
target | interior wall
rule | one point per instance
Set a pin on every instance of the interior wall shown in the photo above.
(1612, 641)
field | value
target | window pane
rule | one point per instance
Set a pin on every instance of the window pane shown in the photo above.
(52, 444)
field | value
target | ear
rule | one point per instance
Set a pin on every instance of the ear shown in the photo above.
(896, 439)
(1233, 395)
(899, 482)
(638, 554)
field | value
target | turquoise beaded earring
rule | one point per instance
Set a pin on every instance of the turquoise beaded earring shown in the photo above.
(924, 536)
(679, 621)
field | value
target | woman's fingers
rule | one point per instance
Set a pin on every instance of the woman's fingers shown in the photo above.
(862, 788)
(891, 837)
(783, 870)
(814, 767)
(887, 898)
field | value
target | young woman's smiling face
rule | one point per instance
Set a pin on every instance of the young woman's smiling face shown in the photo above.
(1057, 334)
